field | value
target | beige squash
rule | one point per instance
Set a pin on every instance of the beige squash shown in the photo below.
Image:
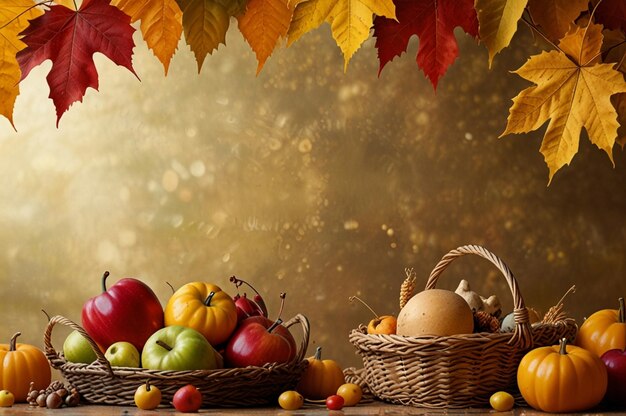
(435, 312)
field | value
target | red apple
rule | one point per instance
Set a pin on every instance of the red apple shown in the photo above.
(128, 311)
(187, 399)
(259, 340)
(615, 361)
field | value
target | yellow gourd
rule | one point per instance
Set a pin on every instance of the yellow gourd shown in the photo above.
(435, 312)
(321, 378)
(21, 364)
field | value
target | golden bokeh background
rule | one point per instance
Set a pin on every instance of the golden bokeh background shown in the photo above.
(302, 179)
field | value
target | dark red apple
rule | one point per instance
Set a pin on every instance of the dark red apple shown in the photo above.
(128, 311)
(187, 399)
(615, 361)
(258, 341)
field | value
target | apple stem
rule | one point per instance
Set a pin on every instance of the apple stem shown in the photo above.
(622, 311)
(274, 325)
(13, 342)
(283, 295)
(353, 298)
(148, 386)
(104, 281)
(258, 299)
(207, 301)
(563, 345)
(163, 344)
(318, 353)
(171, 287)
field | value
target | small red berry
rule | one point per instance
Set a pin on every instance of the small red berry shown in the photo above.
(334, 402)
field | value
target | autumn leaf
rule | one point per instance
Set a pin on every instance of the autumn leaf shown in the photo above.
(614, 51)
(14, 16)
(433, 21)
(497, 22)
(161, 25)
(69, 39)
(611, 14)
(556, 16)
(573, 91)
(205, 23)
(263, 24)
(350, 20)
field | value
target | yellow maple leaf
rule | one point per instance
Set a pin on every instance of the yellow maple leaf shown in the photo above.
(619, 101)
(263, 24)
(350, 21)
(161, 25)
(14, 16)
(556, 16)
(573, 91)
(205, 23)
(497, 23)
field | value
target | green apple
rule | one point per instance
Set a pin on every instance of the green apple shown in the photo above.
(122, 354)
(178, 348)
(6, 398)
(77, 349)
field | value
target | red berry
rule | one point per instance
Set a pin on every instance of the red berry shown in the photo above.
(334, 402)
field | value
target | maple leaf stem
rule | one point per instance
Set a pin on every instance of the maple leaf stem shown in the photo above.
(582, 43)
(536, 29)
(606, 52)
(43, 3)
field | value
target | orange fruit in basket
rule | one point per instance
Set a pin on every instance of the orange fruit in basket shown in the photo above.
(436, 312)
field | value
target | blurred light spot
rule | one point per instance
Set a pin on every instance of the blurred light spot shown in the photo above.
(305, 146)
(384, 227)
(351, 225)
(197, 168)
(393, 245)
(127, 238)
(169, 180)
(219, 217)
(390, 232)
(185, 195)
(177, 221)
(469, 136)
(422, 118)
(107, 252)
(275, 144)
(339, 268)
(222, 101)
(226, 258)
(191, 132)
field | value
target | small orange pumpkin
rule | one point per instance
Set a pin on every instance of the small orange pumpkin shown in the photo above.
(604, 330)
(21, 364)
(321, 378)
(562, 378)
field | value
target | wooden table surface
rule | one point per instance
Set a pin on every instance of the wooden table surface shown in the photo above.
(372, 408)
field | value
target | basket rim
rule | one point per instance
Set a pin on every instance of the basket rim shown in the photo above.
(102, 367)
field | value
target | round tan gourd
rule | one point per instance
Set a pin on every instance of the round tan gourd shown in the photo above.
(435, 312)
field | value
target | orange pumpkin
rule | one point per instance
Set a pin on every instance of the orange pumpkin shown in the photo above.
(21, 364)
(321, 378)
(205, 308)
(562, 378)
(604, 330)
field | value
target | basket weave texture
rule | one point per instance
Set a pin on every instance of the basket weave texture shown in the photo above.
(100, 383)
(457, 371)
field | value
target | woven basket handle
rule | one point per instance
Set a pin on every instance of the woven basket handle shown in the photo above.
(522, 335)
(306, 331)
(56, 359)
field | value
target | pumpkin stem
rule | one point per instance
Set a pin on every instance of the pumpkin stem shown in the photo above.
(274, 325)
(13, 342)
(207, 301)
(352, 298)
(622, 318)
(104, 281)
(563, 344)
(163, 344)
(318, 353)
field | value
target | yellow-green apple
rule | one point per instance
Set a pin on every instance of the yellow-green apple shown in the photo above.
(77, 349)
(122, 354)
(178, 347)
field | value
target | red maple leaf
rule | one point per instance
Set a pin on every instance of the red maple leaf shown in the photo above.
(612, 14)
(69, 38)
(433, 21)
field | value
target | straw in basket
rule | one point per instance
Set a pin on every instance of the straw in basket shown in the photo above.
(101, 383)
(457, 371)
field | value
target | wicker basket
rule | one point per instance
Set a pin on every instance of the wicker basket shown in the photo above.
(101, 383)
(456, 371)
